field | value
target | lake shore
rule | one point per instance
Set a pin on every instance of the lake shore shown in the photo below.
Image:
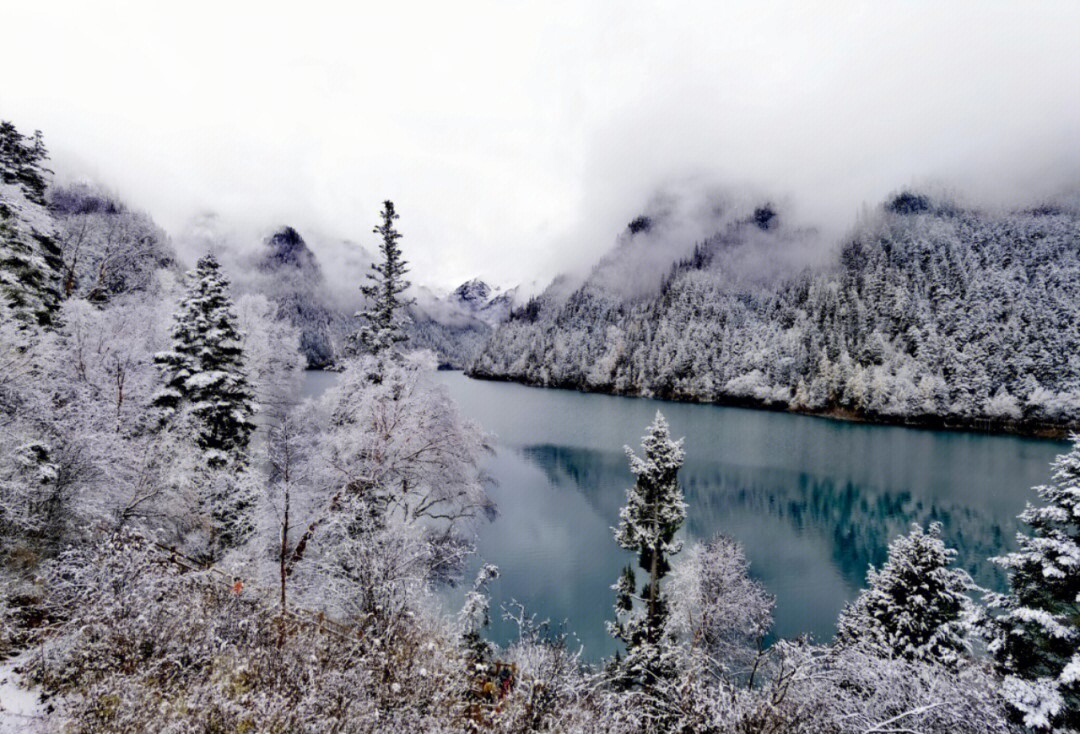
(1031, 429)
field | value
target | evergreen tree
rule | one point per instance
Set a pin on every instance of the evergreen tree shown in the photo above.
(653, 514)
(30, 260)
(383, 291)
(228, 500)
(1037, 633)
(204, 373)
(916, 607)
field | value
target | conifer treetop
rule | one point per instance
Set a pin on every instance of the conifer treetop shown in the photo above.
(204, 370)
(655, 508)
(383, 327)
(30, 259)
(916, 606)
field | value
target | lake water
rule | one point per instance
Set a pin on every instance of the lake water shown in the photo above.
(812, 500)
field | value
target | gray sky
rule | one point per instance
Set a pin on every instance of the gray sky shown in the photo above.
(518, 138)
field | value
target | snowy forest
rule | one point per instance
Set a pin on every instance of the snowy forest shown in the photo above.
(928, 313)
(187, 545)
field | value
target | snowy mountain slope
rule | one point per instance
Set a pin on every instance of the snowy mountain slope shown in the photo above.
(295, 283)
(928, 313)
(458, 324)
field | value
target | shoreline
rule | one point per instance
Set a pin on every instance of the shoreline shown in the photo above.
(1027, 429)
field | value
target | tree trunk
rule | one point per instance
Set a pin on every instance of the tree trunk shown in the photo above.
(654, 572)
(284, 555)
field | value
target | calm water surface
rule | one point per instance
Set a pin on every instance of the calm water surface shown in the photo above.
(813, 501)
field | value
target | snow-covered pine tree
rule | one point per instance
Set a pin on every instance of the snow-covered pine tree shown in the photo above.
(653, 514)
(30, 261)
(916, 607)
(203, 373)
(383, 327)
(1036, 640)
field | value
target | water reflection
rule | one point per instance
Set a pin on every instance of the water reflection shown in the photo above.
(813, 501)
(857, 520)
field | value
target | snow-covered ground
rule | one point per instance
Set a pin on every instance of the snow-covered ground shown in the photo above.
(20, 708)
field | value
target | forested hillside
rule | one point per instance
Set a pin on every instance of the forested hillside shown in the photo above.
(928, 313)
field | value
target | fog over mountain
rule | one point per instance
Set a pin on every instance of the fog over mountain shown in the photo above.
(516, 139)
(929, 313)
(322, 302)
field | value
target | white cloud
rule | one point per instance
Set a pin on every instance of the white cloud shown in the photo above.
(518, 138)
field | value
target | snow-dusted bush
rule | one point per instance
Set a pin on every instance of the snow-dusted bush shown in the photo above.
(394, 436)
(848, 690)
(552, 686)
(1004, 405)
(143, 646)
(717, 611)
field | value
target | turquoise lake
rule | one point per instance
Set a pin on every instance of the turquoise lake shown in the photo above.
(813, 501)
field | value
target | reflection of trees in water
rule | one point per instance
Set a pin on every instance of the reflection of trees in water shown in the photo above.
(860, 520)
(601, 476)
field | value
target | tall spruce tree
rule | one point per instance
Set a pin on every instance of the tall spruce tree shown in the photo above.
(653, 514)
(1036, 640)
(386, 284)
(916, 607)
(30, 260)
(204, 371)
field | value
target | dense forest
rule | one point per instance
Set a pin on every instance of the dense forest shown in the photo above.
(928, 313)
(187, 546)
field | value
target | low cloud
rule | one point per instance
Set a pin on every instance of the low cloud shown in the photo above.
(517, 141)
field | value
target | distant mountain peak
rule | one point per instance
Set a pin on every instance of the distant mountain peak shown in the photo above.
(908, 202)
(474, 291)
(484, 302)
(286, 248)
(640, 224)
(765, 217)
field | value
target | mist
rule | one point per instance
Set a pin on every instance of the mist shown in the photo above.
(518, 141)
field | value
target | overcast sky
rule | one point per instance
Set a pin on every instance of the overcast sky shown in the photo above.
(517, 138)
